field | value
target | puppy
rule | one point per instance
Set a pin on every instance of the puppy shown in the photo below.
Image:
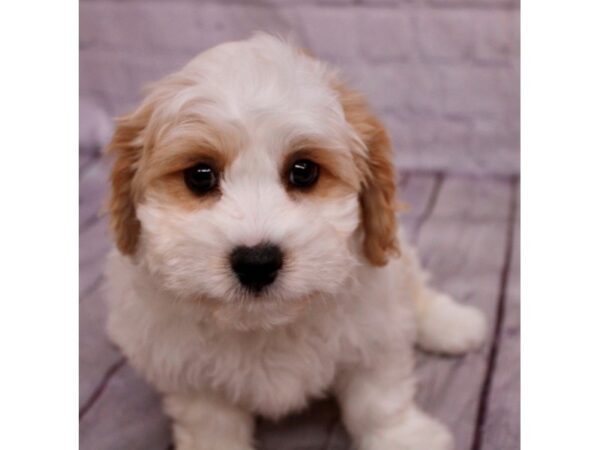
(259, 261)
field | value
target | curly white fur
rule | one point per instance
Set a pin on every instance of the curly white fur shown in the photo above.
(331, 322)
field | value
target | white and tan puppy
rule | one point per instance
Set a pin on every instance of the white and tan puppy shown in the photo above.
(259, 262)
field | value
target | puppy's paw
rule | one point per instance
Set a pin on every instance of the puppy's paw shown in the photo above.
(416, 431)
(450, 327)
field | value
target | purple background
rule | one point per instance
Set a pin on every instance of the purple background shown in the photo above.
(444, 74)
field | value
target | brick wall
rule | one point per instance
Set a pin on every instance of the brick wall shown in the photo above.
(444, 74)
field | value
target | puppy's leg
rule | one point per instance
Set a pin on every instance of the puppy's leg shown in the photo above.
(379, 413)
(443, 325)
(207, 422)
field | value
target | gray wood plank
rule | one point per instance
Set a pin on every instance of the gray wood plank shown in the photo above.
(463, 246)
(125, 420)
(94, 244)
(501, 429)
(93, 187)
(85, 159)
(96, 354)
(416, 194)
(469, 214)
(95, 127)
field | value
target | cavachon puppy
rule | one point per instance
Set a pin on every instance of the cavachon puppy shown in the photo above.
(259, 263)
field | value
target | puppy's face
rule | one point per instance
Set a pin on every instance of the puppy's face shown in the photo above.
(251, 183)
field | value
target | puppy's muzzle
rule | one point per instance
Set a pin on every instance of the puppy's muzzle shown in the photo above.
(256, 267)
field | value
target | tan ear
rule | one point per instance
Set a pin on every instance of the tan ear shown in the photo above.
(126, 147)
(378, 194)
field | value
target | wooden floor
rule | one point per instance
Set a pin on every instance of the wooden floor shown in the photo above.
(467, 231)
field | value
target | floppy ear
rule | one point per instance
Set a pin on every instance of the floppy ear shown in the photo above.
(126, 146)
(378, 191)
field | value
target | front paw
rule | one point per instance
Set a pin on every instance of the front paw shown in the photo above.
(415, 431)
(450, 327)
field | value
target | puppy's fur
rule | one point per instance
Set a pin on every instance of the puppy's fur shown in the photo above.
(350, 300)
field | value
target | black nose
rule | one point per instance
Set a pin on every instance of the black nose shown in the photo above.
(256, 267)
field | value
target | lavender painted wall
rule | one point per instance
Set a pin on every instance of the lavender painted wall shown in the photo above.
(444, 74)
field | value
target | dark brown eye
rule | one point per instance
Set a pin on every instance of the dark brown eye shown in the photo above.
(200, 179)
(303, 173)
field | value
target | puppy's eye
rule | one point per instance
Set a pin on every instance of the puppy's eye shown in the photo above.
(200, 179)
(303, 173)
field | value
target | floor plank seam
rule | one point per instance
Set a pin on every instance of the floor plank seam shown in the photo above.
(440, 177)
(500, 313)
(99, 390)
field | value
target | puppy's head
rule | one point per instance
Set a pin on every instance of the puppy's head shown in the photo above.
(251, 182)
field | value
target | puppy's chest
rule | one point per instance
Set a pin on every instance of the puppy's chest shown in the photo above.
(270, 373)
